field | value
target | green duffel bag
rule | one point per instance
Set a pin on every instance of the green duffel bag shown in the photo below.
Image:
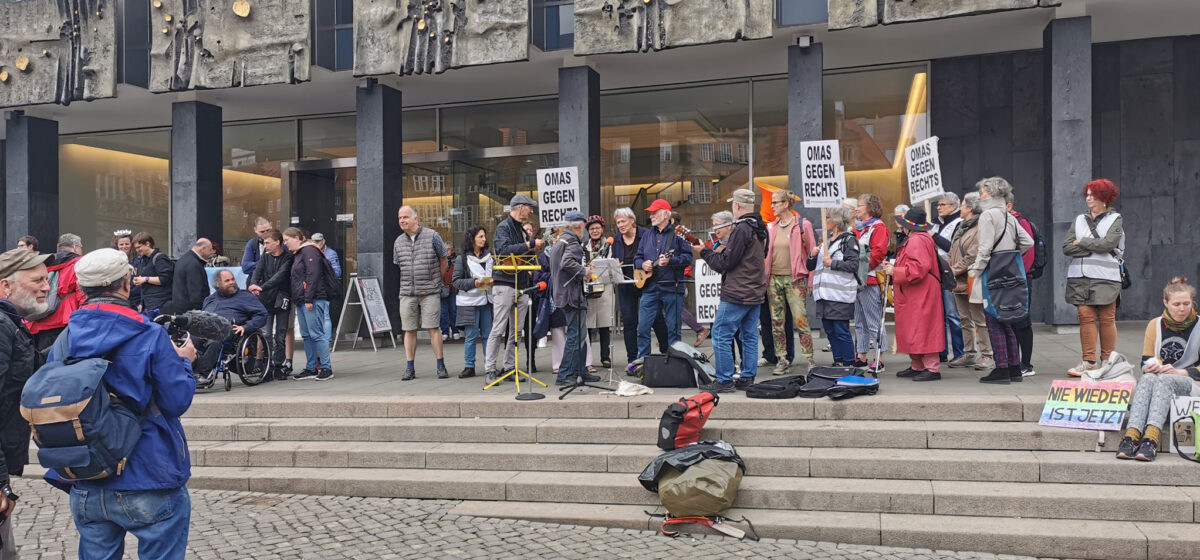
(705, 488)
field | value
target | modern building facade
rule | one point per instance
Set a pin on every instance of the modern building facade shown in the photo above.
(352, 114)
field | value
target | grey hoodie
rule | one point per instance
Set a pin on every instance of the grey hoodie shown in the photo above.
(567, 271)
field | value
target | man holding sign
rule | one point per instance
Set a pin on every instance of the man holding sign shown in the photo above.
(744, 286)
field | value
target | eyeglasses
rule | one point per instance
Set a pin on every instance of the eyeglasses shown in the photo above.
(774, 202)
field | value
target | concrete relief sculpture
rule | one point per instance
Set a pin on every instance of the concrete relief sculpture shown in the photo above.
(206, 44)
(430, 36)
(615, 26)
(56, 52)
(845, 14)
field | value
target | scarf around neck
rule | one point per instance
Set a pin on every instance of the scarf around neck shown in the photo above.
(1179, 326)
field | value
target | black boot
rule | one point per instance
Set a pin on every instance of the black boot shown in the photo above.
(1014, 374)
(998, 376)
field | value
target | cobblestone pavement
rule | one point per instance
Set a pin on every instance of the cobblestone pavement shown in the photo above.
(229, 525)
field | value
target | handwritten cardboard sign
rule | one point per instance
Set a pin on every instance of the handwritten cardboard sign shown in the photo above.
(1088, 406)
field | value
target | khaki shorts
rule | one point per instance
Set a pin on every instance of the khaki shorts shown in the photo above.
(420, 312)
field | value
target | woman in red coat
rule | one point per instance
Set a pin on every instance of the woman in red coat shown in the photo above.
(918, 299)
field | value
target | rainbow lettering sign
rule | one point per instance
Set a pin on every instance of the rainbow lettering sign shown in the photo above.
(1088, 406)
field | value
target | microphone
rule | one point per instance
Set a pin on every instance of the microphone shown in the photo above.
(534, 288)
(610, 240)
(199, 324)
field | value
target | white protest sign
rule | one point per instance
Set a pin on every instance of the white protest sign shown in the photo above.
(558, 193)
(1185, 434)
(708, 291)
(822, 180)
(924, 171)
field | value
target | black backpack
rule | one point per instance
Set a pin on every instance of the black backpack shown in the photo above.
(1039, 252)
(333, 287)
(778, 388)
(945, 276)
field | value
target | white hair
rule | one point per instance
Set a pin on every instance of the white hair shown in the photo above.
(723, 217)
(840, 218)
(950, 198)
(626, 213)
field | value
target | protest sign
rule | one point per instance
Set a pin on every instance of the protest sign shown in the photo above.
(1186, 434)
(558, 193)
(924, 171)
(1089, 406)
(822, 180)
(708, 291)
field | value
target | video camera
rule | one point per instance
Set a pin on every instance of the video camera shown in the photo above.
(198, 324)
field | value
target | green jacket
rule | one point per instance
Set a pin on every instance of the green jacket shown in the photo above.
(1090, 291)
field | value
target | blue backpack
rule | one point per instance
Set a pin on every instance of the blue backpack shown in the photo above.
(82, 429)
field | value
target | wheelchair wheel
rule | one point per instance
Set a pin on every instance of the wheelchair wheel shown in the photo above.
(228, 381)
(253, 362)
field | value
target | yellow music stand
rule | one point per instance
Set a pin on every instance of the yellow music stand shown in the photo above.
(517, 264)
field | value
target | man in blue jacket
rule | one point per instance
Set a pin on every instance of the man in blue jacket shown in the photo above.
(254, 247)
(664, 255)
(241, 307)
(151, 374)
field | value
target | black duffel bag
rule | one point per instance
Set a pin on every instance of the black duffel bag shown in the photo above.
(777, 388)
(821, 379)
(658, 370)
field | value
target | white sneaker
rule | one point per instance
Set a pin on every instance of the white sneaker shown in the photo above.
(781, 367)
(541, 342)
(1083, 366)
(1027, 371)
(762, 362)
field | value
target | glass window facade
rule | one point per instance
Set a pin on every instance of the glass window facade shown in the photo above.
(252, 154)
(109, 182)
(334, 137)
(553, 24)
(686, 145)
(503, 124)
(333, 34)
(801, 12)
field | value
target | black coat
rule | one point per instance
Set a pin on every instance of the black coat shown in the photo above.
(741, 264)
(308, 266)
(510, 239)
(274, 276)
(160, 266)
(190, 285)
(18, 360)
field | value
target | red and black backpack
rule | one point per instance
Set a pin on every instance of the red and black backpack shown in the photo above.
(682, 421)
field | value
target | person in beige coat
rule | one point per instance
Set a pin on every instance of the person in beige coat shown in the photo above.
(977, 347)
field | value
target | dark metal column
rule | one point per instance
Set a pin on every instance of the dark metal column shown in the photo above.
(579, 131)
(196, 193)
(1067, 47)
(31, 180)
(804, 97)
(380, 181)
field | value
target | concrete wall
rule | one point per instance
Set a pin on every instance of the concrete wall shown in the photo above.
(988, 111)
(1146, 138)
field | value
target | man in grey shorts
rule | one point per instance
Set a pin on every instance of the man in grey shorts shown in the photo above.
(510, 239)
(420, 255)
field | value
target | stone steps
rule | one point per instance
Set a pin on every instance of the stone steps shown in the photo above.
(901, 464)
(1061, 538)
(732, 407)
(954, 498)
(760, 433)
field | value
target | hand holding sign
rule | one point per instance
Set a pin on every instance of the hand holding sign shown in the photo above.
(558, 193)
(823, 179)
(924, 171)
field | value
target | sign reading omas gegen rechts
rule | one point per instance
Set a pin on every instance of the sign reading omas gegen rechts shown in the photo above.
(708, 291)
(924, 171)
(823, 179)
(558, 193)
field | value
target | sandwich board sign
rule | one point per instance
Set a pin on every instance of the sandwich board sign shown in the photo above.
(708, 291)
(558, 193)
(924, 171)
(822, 179)
(365, 293)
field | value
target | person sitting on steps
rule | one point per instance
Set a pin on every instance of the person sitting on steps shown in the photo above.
(1169, 358)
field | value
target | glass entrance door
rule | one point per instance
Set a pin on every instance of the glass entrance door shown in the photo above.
(326, 201)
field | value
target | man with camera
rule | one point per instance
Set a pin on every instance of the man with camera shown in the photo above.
(153, 377)
(241, 307)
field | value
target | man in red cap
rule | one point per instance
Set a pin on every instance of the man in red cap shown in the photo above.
(665, 255)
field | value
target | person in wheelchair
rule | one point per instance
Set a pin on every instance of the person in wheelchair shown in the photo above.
(241, 307)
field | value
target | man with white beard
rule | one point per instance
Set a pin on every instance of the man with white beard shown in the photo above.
(23, 288)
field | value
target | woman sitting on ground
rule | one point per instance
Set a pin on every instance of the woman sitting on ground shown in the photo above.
(1170, 354)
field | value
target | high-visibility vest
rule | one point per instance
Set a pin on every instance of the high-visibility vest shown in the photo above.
(834, 285)
(1097, 266)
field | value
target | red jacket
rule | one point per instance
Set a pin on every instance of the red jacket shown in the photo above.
(918, 297)
(69, 296)
(879, 246)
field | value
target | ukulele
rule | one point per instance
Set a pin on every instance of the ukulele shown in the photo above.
(641, 276)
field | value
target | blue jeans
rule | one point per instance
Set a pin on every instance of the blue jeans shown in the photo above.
(449, 315)
(574, 353)
(316, 331)
(742, 320)
(481, 328)
(158, 518)
(654, 301)
(953, 323)
(840, 340)
(629, 298)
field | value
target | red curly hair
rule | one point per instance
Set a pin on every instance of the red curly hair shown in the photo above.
(1103, 190)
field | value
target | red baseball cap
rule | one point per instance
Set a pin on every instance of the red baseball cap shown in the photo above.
(659, 204)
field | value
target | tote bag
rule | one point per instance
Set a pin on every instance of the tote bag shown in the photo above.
(1005, 290)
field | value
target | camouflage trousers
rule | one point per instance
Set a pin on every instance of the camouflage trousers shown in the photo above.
(782, 290)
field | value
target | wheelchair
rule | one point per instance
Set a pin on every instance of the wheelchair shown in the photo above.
(249, 357)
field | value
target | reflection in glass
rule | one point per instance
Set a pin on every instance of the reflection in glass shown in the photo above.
(334, 137)
(502, 124)
(251, 155)
(873, 113)
(114, 181)
(689, 146)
